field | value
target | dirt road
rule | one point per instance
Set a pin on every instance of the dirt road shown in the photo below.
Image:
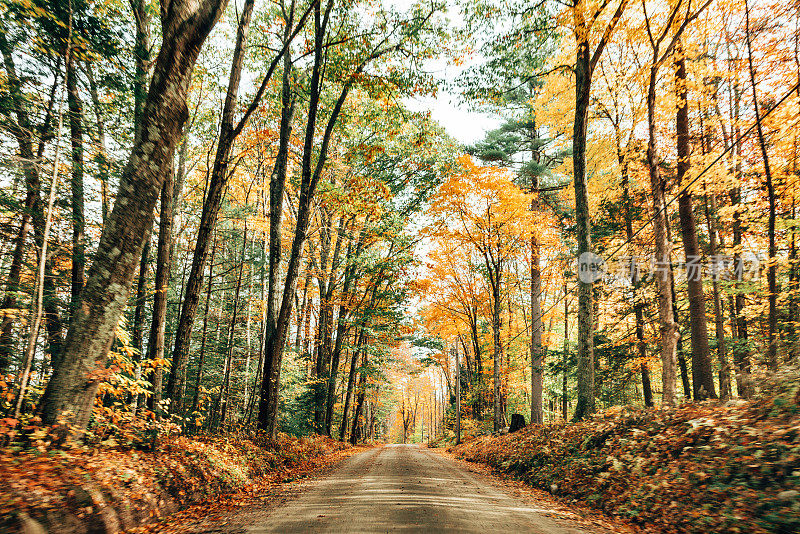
(406, 488)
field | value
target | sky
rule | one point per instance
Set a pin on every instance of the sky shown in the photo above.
(463, 124)
(448, 108)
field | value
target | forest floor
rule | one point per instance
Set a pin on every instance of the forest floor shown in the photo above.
(82, 489)
(238, 511)
(589, 518)
(700, 467)
(395, 488)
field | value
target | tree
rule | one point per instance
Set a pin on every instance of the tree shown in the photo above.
(71, 390)
(219, 177)
(586, 60)
(482, 210)
(661, 48)
(410, 35)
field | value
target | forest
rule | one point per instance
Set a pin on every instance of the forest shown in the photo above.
(226, 221)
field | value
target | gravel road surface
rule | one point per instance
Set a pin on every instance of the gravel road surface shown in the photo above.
(406, 488)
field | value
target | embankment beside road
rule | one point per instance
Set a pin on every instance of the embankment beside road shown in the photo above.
(700, 467)
(87, 490)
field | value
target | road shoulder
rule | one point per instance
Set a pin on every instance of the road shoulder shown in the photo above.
(233, 513)
(550, 506)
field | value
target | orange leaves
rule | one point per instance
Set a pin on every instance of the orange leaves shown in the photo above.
(481, 206)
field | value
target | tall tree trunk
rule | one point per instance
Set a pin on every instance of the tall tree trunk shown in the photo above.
(208, 220)
(719, 319)
(683, 368)
(351, 379)
(324, 322)
(310, 175)
(25, 371)
(497, 352)
(565, 355)
(793, 354)
(202, 358)
(226, 383)
(638, 302)
(141, 296)
(23, 132)
(585, 62)
(31, 202)
(725, 389)
(9, 302)
(341, 332)
(170, 191)
(362, 386)
(702, 369)
(585, 403)
(741, 347)
(537, 416)
(457, 380)
(71, 389)
(301, 318)
(772, 283)
(75, 106)
(326, 333)
(219, 178)
(669, 330)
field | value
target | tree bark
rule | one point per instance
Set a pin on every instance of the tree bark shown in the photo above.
(71, 390)
(537, 415)
(75, 106)
(583, 75)
(497, 352)
(702, 369)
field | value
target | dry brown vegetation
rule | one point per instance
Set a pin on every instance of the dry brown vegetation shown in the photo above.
(700, 467)
(85, 489)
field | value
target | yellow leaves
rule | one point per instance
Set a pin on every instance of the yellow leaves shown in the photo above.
(481, 206)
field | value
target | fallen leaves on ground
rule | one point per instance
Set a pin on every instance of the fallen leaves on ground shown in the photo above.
(700, 467)
(114, 489)
(219, 511)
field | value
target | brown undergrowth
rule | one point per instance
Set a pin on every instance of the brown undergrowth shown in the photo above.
(91, 489)
(700, 467)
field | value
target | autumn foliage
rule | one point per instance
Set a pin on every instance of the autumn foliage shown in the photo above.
(111, 489)
(694, 468)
